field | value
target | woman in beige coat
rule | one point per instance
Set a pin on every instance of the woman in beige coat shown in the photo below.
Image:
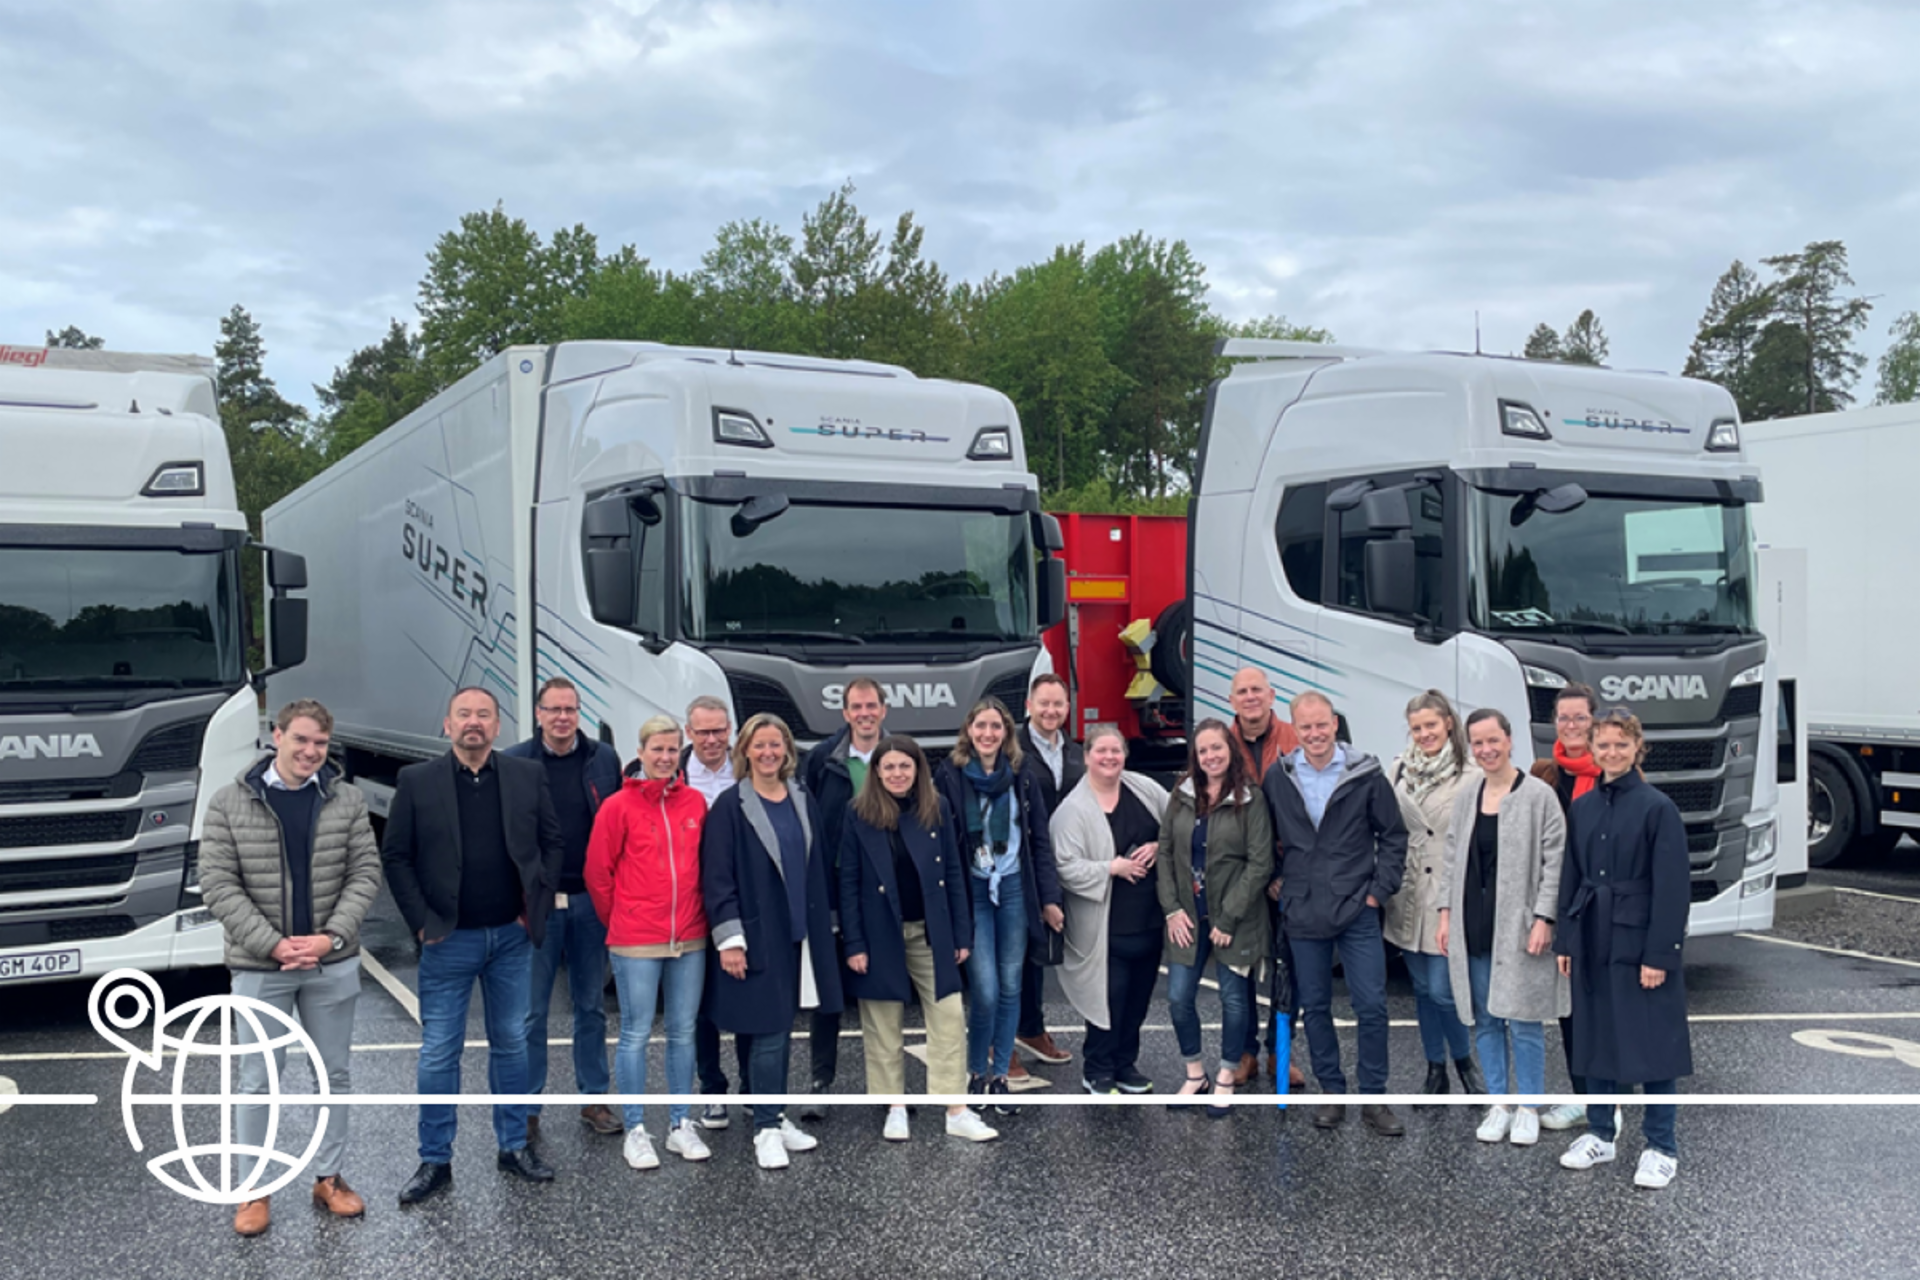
(1427, 778)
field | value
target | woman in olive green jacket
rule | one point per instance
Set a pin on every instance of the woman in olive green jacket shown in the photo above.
(1216, 856)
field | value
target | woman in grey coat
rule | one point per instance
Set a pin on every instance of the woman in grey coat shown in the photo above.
(1501, 889)
(1427, 779)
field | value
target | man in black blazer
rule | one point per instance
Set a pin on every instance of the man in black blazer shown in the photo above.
(473, 852)
(1057, 764)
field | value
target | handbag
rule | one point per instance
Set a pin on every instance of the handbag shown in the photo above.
(1051, 950)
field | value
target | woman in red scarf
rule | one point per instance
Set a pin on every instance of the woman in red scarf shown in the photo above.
(1571, 773)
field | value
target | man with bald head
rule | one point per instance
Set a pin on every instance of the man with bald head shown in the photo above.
(1265, 738)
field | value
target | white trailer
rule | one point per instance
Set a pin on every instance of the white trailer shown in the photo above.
(1836, 485)
(657, 523)
(124, 693)
(1372, 524)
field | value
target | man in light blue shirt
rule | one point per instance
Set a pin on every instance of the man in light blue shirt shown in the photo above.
(1317, 784)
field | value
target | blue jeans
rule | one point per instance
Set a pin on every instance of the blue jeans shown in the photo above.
(993, 972)
(767, 1073)
(1491, 1034)
(1656, 1121)
(1236, 1002)
(499, 958)
(576, 933)
(1363, 958)
(641, 983)
(1442, 1034)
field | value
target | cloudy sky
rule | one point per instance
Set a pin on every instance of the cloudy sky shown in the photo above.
(1382, 169)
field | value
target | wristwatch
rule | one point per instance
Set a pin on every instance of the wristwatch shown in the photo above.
(339, 943)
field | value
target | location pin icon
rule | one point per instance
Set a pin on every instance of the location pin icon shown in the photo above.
(119, 1003)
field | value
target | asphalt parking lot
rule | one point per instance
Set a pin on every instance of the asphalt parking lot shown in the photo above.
(1803, 1191)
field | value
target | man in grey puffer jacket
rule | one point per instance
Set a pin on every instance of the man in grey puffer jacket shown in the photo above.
(289, 866)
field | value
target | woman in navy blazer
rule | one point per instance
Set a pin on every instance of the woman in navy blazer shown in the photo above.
(907, 926)
(765, 887)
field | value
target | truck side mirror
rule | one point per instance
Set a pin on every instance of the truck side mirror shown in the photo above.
(287, 628)
(1053, 592)
(606, 532)
(1051, 538)
(1386, 510)
(286, 571)
(1389, 570)
(756, 511)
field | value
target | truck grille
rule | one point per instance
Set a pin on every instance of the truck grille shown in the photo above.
(1742, 703)
(1705, 890)
(90, 927)
(69, 828)
(59, 791)
(1011, 690)
(1683, 755)
(1540, 704)
(1692, 797)
(753, 696)
(173, 749)
(66, 873)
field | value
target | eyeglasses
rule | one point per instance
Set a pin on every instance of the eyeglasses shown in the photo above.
(1572, 721)
(558, 711)
(709, 733)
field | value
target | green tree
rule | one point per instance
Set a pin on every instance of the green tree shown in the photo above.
(744, 295)
(1776, 385)
(628, 299)
(493, 283)
(1807, 295)
(835, 265)
(1900, 363)
(1275, 329)
(1729, 331)
(907, 309)
(1160, 338)
(1543, 344)
(75, 338)
(377, 386)
(1584, 342)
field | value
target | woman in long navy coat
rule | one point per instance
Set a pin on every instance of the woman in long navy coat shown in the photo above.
(765, 887)
(1624, 898)
(904, 916)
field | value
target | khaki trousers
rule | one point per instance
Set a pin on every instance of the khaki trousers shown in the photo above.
(946, 1029)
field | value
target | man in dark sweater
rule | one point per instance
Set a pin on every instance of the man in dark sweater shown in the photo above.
(1057, 764)
(473, 851)
(582, 773)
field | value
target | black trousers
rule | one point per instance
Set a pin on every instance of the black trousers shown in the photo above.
(1566, 1045)
(823, 1047)
(1133, 968)
(706, 1055)
(1033, 986)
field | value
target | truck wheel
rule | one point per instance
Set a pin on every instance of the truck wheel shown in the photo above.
(1172, 647)
(1831, 820)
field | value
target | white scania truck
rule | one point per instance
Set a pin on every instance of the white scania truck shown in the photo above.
(124, 694)
(1371, 524)
(656, 523)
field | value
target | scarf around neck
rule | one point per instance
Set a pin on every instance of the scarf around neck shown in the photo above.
(1584, 768)
(1422, 773)
(996, 823)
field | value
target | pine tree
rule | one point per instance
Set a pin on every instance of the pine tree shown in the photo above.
(1807, 296)
(1543, 344)
(1584, 342)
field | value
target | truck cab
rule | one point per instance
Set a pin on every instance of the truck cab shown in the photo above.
(1371, 525)
(124, 694)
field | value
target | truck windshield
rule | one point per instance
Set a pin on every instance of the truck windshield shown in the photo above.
(1613, 565)
(89, 618)
(840, 575)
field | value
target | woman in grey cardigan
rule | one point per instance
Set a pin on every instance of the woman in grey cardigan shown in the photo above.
(1500, 889)
(1105, 841)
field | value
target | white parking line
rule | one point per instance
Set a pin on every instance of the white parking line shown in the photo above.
(395, 988)
(1831, 951)
(1868, 893)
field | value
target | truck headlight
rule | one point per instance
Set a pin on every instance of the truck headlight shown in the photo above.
(1760, 844)
(1752, 675)
(1541, 678)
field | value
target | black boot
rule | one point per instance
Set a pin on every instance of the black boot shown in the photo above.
(1471, 1081)
(1437, 1079)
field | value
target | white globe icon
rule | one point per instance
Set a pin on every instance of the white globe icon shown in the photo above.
(207, 1032)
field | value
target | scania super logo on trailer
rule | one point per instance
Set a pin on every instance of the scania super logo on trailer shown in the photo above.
(124, 695)
(630, 516)
(1374, 524)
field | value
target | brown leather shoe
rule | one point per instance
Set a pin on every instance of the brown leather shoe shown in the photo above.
(251, 1218)
(1296, 1078)
(1247, 1070)
(1016, 1069)
(1043, 1048)
(337, 1198)
(598, 1117)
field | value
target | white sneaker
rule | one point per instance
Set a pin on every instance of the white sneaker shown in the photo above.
(713, 1116)
(971, 1127)
(1526, 1127)
(1566, 1115)
(768, 1150)
(896, 1129)
(1656, 1169)
(639, 1150)
(794, 1138)
(684, 1141)
(1586, 1152)
(1494, 1127)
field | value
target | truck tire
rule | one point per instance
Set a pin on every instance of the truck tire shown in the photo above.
(1172, 647)
(1832, 817)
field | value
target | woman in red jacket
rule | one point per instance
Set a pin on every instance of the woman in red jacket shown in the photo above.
(643, 870)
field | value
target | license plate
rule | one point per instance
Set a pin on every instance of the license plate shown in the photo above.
(30, 965)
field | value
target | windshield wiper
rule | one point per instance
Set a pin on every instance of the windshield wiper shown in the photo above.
(1704, 627)
(822, 637)
(1573, 628)
(92, 682)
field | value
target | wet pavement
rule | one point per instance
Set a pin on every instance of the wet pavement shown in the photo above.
(1804, 1191)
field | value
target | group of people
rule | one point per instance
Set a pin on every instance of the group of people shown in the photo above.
(729, 883)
